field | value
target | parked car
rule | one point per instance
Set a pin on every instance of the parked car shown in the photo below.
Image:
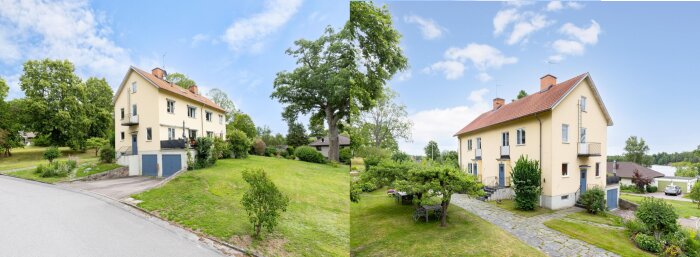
(672, 190)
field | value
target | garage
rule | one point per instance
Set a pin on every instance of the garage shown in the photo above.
(612, 198)
(685, 183)
(149, 165)
(172, 163)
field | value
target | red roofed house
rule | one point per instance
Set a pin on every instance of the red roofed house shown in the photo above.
(155, 120)
(563, 126)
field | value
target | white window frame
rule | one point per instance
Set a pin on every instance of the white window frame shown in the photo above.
(149, 134)
(583, 103)
(478, 143)
(221, 119)
(133, 87)
(210, 133)
(208, 116)
(520, 136)
(562, 170)
(565, 133)
(469, 144)
(171, 133)
(505, 138)
(582, 136)
(170, 106)
(134, 110)
(194, 111)
(597, 169)
(122, 113)
(122, 136)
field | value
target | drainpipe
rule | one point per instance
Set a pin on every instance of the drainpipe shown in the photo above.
(540, 121)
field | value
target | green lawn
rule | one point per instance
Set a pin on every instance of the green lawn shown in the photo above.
(208, 200)
(358, 163)
(684, 209)
(509, 205)
(602, 218)
(381, 227)
(80, 171)
(32, 156)
(613, 240)
(91, 168)
(30, 175)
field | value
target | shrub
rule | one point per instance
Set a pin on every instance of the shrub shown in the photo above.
(593, 200)
(678, 238)
(658, 216)
(372, 160)
(345, 155)
(56, 169)
(239, 143)
(355, 192)
(291, 157)
(222, 149)
(400, 157)
(648, 243)
(40, 169)
(259, 146)
(263, 202)
(270, 151)
(204, 156)
(635, 226)
(672, 251)
(42, 140)
(652, 189)
(96, 143)
(284, 153)
(51, 153)
(309, 154)
(526, 183)
(695, 194)
(107, 154)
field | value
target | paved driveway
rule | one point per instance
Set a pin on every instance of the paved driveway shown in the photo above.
(118, 188)
(45, 220)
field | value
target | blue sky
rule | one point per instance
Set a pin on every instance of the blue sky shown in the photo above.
(642, 57)
(237, 46)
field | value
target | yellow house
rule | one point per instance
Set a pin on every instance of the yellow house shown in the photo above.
(156, 120)
(563, 126)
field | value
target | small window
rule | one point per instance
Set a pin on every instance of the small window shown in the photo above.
(171, 133)
(469, 145)
(134, 110)
(208, 115)
(564, 133)
(597, 169)
(564, 197)
(122, 113)
(565, 169)
(476, 170)
(221, 119)
(191, 112)
(210, 134)
(505, 138)
(149, 134)
(582, 137)
(122, 136)
(583, 103)
(478, 143)
(133, 87)
(193, 134)
(520, 136)
(170, 106)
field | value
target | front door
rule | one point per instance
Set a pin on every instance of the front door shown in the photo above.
(582, 187)
(134, 145)
(501, 175)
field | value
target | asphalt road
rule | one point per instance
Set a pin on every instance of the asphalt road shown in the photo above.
(44, 220)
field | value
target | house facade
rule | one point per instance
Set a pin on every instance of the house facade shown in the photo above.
(155, 121)
(625, 170)
(563, 126)
(323, 145)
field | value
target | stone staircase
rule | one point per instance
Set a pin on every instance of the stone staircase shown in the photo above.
(496, 193)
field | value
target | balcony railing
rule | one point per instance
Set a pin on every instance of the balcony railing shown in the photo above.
(612, 180)
(478, 154)
(173, 144)
(130, 120)
(505, 152)
(589, 149)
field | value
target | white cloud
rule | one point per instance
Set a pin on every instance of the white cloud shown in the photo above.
(405, 75)
(559, 5)
(484, 77)
(503, 18)
(519, 3)
(482, 56)
(61, 30)
(451, 69)
(199, 38)
(523, 28)
(554, 6)
(585, 35)
(248, 33)
(429, 28)
(555, 58)
(441, 124)
(568, 47)
(574, 5)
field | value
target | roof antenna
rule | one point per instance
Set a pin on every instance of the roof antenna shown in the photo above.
(163, 61)
(550, 62)
(496, 86)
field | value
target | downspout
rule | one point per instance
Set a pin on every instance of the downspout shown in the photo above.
(540, 121)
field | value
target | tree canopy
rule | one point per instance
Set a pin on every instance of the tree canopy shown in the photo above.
(522, 94)
(432, 151)
(385, 123)
(221, 98)
(243, 122)
(636, 150)
(9, 122)
(181, 80)
(98, 107)
(296, 134)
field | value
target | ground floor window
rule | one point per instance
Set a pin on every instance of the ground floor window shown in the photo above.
(193, 134)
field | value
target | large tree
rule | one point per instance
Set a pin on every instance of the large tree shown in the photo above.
(387, 121)
(296, 134)
(221, 98)
(636, 150)
(9, 123)
(432, 151)
(243, 122)
(98, 107)
(180, 79)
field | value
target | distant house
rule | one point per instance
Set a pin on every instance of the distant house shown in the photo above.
(27, 137)
(322, 144)
(625, 170)
(685, 183)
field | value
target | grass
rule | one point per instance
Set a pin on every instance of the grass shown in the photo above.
(80, 171)
(358, 163)
(91, 168)
(381, 227)
(209, 200)
(602, 218)
(613, 240)
(684, 209)
(32, 156)
(30, 175)
(509, 205)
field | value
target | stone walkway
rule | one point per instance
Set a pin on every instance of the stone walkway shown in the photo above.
(531, 230)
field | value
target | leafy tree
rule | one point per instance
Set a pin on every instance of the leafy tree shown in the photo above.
(450, 158)
(387, 121)
(636, 150)
(399, 156)
(522, 94)
(296, 134)
(695, 193)
(259, 146)
(243, 122)
(51, 153)
(316, 128)
(658, 216)
(432, 151)
(263, 202)
(10, 120)
(222, 148)
(204, 153)
(221, 98)
(686, 169)
(96, 143)
(239, 142)
(640, 181)
(527, 183)
(98, 107)
(107, 154)
(181, 80)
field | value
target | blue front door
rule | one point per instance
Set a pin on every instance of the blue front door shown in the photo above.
(134, 145)
(612, 199)
(583, 181)
(501, 175)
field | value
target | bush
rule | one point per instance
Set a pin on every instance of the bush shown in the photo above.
(648, 243)
(635, 227)
(372, 161)
(345, 155)
(56, 169)
(284, 153)
(355, 192)
(259, 147)
(263, 202)
(593, 200)
(658, 216)
(271, 151)
(41, 140)
(309, 154)
(652, 189)
(672, 251)
(678, 238)
(526, 183)
(204, 157)
(107, 154)
(400, 157)
(222, 149)
(239, 143)
(51, 153)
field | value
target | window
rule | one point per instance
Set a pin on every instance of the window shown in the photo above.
(583, 104)
(565, 133)
(505, 139)
(210, 134)
(597, 169)
(478, 143)
(564, 197)
(520, 136)
(193, 133)
(476, 170)
(565, 169)
(171, 106)
(149, 134)
(582, 138)
(133, 110)
(171, 133)
(122, 113)
(133, 87)
(122, 135)
(191, 112)
(469, 145)
(469, 168)
(208, 115)
(221, 119)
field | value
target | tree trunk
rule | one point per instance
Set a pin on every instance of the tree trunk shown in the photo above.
(333, 143)
(443, 215)
(257, 230)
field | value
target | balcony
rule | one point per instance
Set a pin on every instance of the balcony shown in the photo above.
(505, 152)
(173, 144)
(478, 154)
(130, 120)
(589, 149)
(612, 180)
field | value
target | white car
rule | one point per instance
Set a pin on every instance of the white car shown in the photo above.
(672, 190)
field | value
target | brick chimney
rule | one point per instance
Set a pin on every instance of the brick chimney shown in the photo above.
(546, 81)
(194, 89)
(159, 73)
(498, 102)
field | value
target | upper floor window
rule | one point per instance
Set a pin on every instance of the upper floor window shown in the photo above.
(149, 134)
(170, 106)
(171, 133)
(122, 135)
(221, 119)
(133, 87)
(565, 169)
(505, 138)
(122, 113)
(207, 115)
(520, 136)
(193, 133)
(583, 104)
(597, 169)
(469, 145)
(191, 112)
(134, 110)
(478, 143)
(582, 137)
(564, 133)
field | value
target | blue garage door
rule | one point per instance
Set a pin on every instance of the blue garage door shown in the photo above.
(149, 165)
(171, 163)
(612, 199)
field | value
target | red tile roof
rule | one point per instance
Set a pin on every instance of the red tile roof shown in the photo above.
(626, 170)
(535, 103)
(175, 89)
